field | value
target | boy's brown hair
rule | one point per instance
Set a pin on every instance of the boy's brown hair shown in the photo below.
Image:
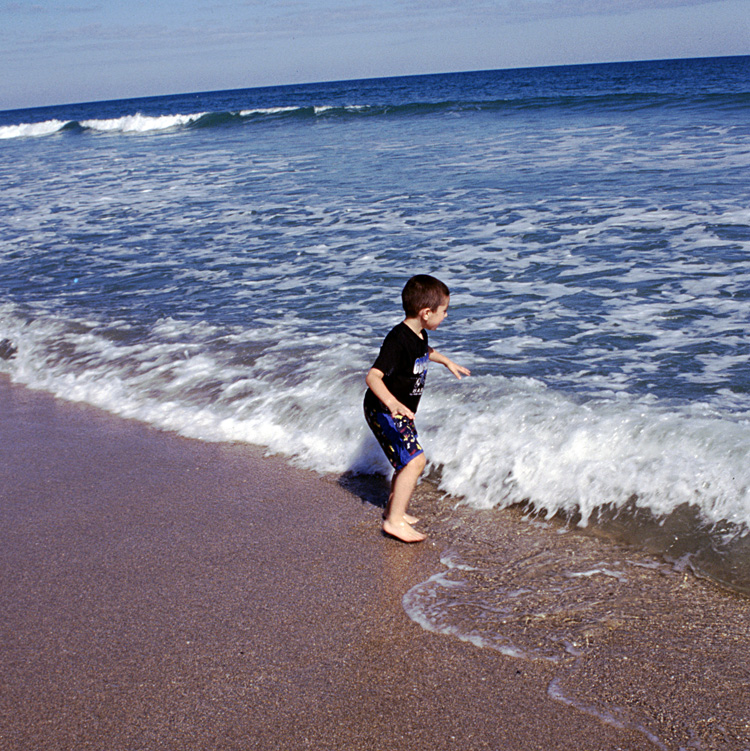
(423, 291)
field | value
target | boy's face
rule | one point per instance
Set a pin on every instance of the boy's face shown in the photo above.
(431, 319)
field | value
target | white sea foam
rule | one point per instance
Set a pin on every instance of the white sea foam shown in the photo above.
(25, 130)
(425, 605)
(603, 571)
(504, 442)
(140, 123)
(137, 123)
(555, 691)
(496, 441)
(179, 380)
(268, 111)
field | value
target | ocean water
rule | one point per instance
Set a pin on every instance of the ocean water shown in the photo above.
(226, 264)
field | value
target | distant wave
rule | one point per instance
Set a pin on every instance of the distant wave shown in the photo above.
(26, 130)
(140, 123)
(137, 123)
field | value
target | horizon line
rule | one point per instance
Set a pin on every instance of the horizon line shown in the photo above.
(368, 78)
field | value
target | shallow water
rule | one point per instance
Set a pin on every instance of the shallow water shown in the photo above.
(634, 641)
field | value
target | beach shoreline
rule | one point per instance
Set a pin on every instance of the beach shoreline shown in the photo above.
(161, 591)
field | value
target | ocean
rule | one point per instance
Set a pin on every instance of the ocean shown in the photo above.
(226, 264)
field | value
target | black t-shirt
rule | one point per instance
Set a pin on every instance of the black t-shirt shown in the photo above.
(403, 359)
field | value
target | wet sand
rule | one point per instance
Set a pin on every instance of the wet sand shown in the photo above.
(635, 640)
(160, 592)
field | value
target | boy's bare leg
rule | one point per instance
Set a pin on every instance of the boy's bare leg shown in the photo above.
(408, 517)
(404, 482)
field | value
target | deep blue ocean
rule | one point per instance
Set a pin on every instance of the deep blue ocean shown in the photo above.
(226, 264)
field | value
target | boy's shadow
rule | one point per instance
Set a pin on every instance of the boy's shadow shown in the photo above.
(370, 487)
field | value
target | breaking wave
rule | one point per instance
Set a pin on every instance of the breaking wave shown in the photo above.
(143, 123)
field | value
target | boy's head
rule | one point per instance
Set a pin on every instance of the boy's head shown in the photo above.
(423, 291)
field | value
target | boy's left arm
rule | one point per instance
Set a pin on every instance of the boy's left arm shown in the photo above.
(457, 370)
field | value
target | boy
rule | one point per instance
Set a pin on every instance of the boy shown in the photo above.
(395, 384)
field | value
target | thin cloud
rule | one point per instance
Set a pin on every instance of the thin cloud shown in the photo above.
(27, 9)
(521, 11)
(257, 19)
(315, 18)
(22, 9)
(247, 23)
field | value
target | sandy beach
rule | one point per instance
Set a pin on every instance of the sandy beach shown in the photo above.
(161, 592)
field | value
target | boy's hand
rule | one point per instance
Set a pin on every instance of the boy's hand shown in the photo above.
(457, 370)
(400, 410)
(375, 381)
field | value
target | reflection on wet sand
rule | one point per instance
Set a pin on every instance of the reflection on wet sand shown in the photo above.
(637, 642)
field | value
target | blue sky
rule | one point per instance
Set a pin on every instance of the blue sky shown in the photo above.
(58, 51)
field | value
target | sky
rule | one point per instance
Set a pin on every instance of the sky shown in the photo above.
(61, 51)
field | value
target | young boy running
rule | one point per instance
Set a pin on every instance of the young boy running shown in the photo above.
(395, 384)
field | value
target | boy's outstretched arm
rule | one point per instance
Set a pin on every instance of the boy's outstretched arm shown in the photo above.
(375, 382)
(457, 370)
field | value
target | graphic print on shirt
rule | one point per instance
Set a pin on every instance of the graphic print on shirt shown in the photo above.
(420, 370)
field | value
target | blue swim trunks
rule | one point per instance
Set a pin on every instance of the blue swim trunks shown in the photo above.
(397, 436)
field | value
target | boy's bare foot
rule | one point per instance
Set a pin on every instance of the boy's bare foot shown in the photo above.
(402, 531)
(408, 518)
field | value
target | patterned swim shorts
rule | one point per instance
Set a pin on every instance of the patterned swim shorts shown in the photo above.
(397, 436)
